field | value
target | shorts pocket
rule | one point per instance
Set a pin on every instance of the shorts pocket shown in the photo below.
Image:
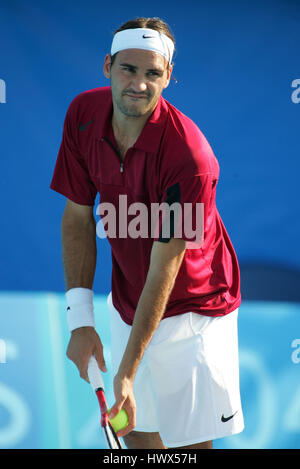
(199, 323)
(172, 329)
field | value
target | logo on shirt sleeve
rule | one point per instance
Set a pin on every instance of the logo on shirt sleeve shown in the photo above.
(84, 126)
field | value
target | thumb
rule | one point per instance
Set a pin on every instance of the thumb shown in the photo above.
(115, 409)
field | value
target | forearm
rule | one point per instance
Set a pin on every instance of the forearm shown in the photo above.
(79, 252)
(150, 310)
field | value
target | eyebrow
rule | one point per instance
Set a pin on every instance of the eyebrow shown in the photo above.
(135, 68)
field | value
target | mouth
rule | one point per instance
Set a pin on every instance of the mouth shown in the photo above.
(135, 97)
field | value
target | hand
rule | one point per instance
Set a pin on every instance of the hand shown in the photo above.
(123, 389)
(84, 343)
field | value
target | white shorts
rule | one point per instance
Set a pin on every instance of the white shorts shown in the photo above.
(187, 383)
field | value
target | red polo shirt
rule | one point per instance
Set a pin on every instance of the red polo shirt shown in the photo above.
(170, 162)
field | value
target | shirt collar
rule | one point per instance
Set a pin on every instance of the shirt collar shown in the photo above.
(150, 137)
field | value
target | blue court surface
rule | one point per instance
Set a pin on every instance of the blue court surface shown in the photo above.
(45, 404)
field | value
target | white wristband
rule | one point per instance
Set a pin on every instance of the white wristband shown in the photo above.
(80, 308)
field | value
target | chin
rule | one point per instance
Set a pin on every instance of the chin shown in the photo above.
(136, 111)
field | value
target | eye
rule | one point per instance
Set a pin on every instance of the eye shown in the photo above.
(128, 69)
(155, 74)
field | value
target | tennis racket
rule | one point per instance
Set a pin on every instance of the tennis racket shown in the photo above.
(97, 384)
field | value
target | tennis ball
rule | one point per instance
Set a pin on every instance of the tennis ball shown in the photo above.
(120, 421)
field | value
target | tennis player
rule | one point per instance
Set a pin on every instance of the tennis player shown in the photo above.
(174, 299)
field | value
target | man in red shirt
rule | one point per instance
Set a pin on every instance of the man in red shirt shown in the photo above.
(175, 292)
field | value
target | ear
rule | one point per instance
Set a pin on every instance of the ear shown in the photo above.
(107, 65)
(168, 77)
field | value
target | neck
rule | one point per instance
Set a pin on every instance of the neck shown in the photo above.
(128, 128)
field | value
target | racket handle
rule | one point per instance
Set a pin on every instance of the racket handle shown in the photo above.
(94, 374)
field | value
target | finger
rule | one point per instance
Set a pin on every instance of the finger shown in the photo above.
(100, 360)
(131, 426)
(115, 409)
(131, 412)
(83, 368)
(125, 431)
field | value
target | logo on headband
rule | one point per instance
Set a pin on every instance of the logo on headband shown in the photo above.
(147, 37)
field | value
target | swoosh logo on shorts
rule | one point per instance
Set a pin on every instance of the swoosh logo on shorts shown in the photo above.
(84, 126)
(225, 419)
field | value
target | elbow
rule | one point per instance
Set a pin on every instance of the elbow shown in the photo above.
(71, 223)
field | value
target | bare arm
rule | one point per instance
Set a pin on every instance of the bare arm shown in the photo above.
(165, 262)
(78, 229)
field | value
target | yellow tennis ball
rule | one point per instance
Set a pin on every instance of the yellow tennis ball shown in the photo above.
(120, 421)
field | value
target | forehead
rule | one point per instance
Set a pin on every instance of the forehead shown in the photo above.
(141, 58)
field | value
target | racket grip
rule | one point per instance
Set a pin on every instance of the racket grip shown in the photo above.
(94, 374)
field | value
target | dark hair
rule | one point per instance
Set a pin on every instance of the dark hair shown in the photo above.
(152, 23)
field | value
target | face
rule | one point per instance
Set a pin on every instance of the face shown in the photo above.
(138, 78)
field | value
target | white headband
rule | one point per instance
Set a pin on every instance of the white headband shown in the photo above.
(143, 38)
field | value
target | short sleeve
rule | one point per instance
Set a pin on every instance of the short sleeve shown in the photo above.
(183, 210)
(71, 176)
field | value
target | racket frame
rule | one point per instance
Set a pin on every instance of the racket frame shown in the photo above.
(97, 384)
(105, 422)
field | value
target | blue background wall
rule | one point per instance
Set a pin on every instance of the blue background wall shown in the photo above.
(235, 65)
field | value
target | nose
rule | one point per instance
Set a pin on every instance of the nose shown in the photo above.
(139, 84)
